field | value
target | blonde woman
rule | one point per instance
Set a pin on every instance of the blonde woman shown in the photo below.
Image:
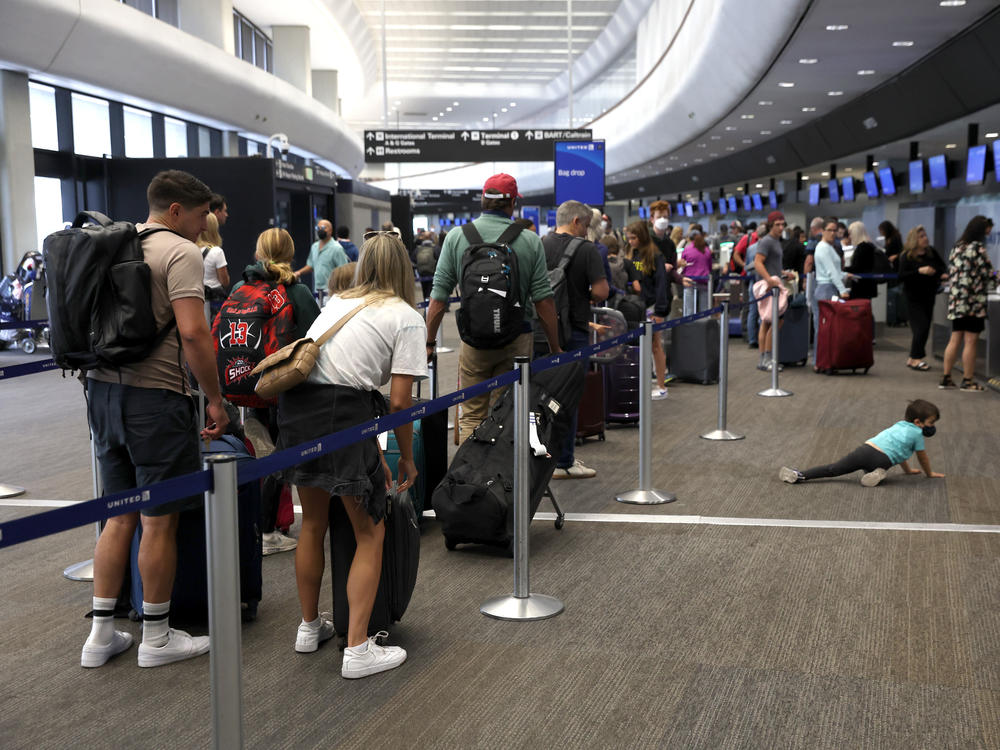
(214, 259)
(341, 278)
(383, 343)
(274, 254)
(921, 270)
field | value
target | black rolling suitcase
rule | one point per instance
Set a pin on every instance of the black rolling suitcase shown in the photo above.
(793, 338)
(621, 387)
(590, 415)
(400, 560)
(694, 353)
(474, 502)
(189, 600)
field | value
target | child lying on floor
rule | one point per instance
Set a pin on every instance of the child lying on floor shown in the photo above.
(892, 446)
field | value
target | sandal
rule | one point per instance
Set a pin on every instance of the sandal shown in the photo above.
(922, 366)
(968, 384)
(946, 382)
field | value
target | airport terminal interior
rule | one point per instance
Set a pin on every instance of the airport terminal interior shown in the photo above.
(748, 612)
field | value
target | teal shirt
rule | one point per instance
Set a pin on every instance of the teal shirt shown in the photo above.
(533, 274)
(323, 261)
(899, 441)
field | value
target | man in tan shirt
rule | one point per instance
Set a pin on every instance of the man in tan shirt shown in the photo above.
(144, 424)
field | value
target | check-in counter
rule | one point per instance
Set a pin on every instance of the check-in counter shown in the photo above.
(988, 355)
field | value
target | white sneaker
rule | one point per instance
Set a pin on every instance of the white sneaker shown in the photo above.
(792, 476)
(659, 394)
(179, 646)
(258, 436)
(576, 471)
(872, 478)
(95, 655)
(276, 542)
(307, 639)
(376, 659)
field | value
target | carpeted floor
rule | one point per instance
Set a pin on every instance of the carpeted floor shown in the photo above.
(678, 636)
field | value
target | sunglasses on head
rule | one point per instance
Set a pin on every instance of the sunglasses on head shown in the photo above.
(370, 235)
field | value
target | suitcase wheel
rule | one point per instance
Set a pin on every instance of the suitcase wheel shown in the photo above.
(560, 522)
(450, 544)
(601, 436)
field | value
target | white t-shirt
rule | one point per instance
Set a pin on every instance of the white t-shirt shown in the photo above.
(214, 260)
(385, 338)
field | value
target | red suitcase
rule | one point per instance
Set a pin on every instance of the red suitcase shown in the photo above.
(590, 416)
(844, 339)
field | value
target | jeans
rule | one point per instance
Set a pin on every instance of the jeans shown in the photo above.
(921, 314)
(567, 455)
(753, 319)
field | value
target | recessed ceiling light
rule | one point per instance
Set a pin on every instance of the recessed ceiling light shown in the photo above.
(504, 109)
(805, 177)
(837, 27)
(951, 145)
(786, 122)
(440, 114)
(808, 109)
(713, 155)
(765, 132)
(874, 163)
(866, 72)
(746, 117)
(785, 84)
(730, 128)
(848, 169)
(716, 137)
(952, 3)
(834, 93)
(454, 104)
(397, 103)
(992, 135)
(808, 60)
(673, 158)
(748, 140)
(513, 104)
(758, 185)
(902, 44)
(698, 160)
(486, 119)
(434, 118)
(765, 103)
(824, 174)
(447, 109)
(730, 148)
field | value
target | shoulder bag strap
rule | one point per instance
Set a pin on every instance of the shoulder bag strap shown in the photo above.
(340, 323)
(472, 234)
(570, 251)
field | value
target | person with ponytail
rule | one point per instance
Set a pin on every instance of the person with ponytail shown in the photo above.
(274, 254)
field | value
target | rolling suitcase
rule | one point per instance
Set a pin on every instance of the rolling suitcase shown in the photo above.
(474, 502)
(189, 600)
(694, 353)
(430, 454)
(793, 342)
(400, 560)
(590, 415)
(844, 337)
(621, 388)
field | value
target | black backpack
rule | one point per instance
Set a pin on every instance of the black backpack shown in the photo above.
(491, 314)
(100, 294)
(560, 295)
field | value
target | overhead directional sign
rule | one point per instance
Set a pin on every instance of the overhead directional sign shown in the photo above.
(383, 146)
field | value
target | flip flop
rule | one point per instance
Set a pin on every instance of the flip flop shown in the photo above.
(922, 366)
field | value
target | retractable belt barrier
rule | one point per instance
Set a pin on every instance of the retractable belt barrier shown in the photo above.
(28, 368)
(19, 324)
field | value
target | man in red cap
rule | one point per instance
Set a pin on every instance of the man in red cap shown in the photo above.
(767, 264)
(479, 364)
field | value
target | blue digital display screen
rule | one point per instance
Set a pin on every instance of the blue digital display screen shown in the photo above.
(871, 185)
(772, 200)
(888, 181)
(917, 176)
(996, 160)
(755, 200)
(813, 193)
(688, 209)
(680, 209)
(530, 213)
(643, 212)
(579, 169)
(550, 217)
(975, 170)
(722, 206)
(847, 189)
(746, 203)
(701, 207)
(732, 204)
(833, 191)
(938, 167)
(708, 206)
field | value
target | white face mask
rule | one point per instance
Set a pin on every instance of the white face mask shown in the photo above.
(661, 224)
(604, 226)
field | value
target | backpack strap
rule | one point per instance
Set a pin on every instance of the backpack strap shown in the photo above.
(472, 234)
(91, 217)
(569, 252)
(509, 234)
(204, 252)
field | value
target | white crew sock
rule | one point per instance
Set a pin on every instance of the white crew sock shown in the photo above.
(155, 623)
(102, 629)
(358, 650)
(314, 624)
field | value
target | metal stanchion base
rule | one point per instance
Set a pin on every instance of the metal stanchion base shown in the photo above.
(722, 435)
(444, 350)
(531, 607)
(9, 490)
(774, 393)
(83, 571)
(646, 497)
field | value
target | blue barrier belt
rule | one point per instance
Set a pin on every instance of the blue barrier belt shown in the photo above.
(686, 319)
(28, 368)
(426, 302)
(61, 519)
(875, 276)
(18, 324)
(554, 360)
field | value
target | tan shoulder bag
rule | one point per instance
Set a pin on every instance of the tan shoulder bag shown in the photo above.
(291, 364)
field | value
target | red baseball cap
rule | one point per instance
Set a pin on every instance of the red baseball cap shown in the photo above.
(501, 186)
(775, 216)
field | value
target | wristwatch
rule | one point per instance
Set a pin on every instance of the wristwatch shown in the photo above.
(432, 343)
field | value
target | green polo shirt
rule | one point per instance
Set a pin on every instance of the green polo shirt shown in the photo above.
(532, 272)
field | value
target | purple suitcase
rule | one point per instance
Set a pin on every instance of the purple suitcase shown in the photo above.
(621, 387)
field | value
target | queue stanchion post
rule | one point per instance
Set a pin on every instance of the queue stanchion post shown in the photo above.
(224, 603)
(441, 348)
(774, 391)
(721, 432)
(432, 366)
(10, 490)
(645, 494)
(522, 605)
(84, 571)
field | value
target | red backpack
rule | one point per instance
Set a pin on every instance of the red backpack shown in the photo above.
(256, 320)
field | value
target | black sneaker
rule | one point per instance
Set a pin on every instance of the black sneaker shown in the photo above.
(791, 476)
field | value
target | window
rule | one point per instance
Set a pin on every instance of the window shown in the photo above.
(175, 135)
(91, 126)
(204, 141)
(42, 105)
(48, 207)
(165, 10)
(252, 44)
(138, 133)
(252, 148)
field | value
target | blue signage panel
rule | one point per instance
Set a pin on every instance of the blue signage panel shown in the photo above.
(550, 217)
(917, 176)
(580, 172)
(731, 200)
(938, 166)
(530, 212)
(847, 185)
(975, 171)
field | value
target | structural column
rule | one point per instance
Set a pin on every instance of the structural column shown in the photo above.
(292, 56)
(17, 170)
(211, 20)
(324, 89)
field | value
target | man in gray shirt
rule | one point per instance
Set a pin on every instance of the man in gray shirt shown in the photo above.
(767, 264)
